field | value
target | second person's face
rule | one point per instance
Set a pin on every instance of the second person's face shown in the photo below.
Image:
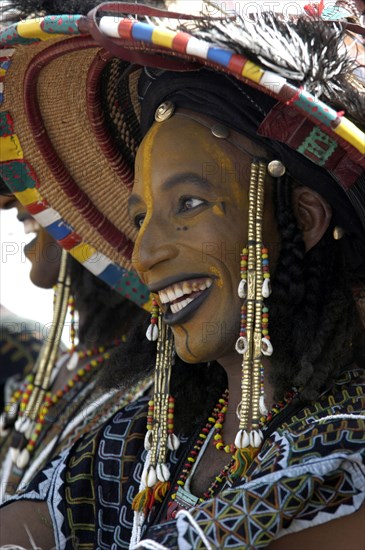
(43, 251)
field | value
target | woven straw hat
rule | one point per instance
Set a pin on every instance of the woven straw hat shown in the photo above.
(69, 115)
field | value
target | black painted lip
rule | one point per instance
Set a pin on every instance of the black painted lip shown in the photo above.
(188, 311)
(164, 283)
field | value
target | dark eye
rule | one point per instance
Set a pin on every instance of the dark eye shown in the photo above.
(138, 220)
(188, 203)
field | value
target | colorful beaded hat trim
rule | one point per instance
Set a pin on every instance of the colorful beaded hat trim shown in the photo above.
(21, 178)
(273, 84)
(302, 121)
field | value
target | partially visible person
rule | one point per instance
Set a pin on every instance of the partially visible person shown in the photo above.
(71, 403)
(21, 339)
(62, 398)
(43, 252)
(20, 343)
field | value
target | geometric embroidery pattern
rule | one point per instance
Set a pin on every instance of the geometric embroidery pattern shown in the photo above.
(318, 146)
(309, 470)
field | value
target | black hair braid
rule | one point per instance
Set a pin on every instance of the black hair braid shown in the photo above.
(312, 310)
(27, 8)
(288, 283)
(335, 327)
(53, 7)
(131, 361)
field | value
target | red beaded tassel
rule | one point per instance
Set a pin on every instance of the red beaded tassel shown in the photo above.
(266, 345)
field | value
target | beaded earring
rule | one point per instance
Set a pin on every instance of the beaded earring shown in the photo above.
(241, 344)
(160, 435)
(71, 308)
(74, 356)
(152, 331)
(254, 339)
(34, 394)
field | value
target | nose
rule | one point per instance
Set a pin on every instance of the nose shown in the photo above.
(154, 245)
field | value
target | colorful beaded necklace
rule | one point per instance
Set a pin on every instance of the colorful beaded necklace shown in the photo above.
(180, 498)
(24, 441)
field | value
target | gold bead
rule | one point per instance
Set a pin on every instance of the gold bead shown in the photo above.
(338, 233)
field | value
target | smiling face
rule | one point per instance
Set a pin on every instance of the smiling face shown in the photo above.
(190, 203)
(43, 251)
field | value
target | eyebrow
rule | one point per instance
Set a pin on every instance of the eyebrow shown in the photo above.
(174, 181)
(132, 201)
(187, 177)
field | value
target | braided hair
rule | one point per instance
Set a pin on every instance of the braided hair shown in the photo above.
(313, 315)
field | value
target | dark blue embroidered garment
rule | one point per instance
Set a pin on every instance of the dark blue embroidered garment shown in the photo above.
(310, 470)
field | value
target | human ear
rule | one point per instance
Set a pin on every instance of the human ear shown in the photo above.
(313, 214)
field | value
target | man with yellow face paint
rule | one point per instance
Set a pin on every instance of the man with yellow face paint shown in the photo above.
(247, 214)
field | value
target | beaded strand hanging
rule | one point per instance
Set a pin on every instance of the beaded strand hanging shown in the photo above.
(254, 339)
(160, 436)
(35, 392)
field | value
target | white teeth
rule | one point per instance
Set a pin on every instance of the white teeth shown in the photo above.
(178, 290)
(170, 293)
(31, 226)
(163, 297)
(187, 288)
(180, 305)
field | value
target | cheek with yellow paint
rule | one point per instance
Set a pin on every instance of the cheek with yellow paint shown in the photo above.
(218, 210)
(223, 170)
(143, 182)
(215, 273)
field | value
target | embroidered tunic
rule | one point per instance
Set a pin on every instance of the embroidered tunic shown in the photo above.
(79, 411)
(310, 470)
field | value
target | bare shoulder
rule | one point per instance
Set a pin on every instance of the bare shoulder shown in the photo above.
(347, 533)
(23, 518)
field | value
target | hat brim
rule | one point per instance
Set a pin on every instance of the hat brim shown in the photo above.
(57, 154)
